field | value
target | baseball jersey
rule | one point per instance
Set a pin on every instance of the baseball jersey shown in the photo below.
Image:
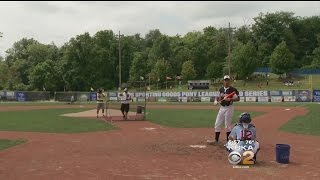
(223, 91)
(125, 98)
(101, 97)
(238, 132)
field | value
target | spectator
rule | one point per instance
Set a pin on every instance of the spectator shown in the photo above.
(72, 99)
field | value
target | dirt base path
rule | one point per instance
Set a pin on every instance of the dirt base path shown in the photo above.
(142, 150)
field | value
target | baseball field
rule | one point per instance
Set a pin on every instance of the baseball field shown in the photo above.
(38, 142)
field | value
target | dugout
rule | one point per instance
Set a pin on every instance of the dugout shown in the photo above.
(198, 84)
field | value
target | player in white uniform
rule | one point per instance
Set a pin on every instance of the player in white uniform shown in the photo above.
(125, 103)
(101, 98)
(226, 110)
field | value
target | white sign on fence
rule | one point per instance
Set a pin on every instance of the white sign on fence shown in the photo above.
(287, 93)
(263, 99)
(184, 99)
(113, 98)
(205, 99)
(251, 99)
(289, 98)
(255, 93)
(276, 98)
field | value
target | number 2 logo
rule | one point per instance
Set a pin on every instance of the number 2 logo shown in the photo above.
(248, 158)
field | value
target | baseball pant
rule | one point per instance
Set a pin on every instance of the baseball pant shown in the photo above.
(225, 115)
(100, 105)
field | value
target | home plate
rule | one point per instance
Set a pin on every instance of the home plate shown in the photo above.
(287, 109)
(198, 146)
(149, 129)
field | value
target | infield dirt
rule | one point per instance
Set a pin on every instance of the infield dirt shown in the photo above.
(143, 150)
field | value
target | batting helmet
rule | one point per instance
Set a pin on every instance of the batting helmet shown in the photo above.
(245, 118)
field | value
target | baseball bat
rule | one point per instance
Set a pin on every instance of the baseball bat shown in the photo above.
(228, 96)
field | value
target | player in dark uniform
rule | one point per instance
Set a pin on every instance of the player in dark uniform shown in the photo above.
(226, 110)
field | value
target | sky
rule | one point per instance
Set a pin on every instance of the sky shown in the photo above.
(59, 21)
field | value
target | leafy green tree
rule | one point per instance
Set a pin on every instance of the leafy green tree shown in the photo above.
(188, 71)
(282, 60)
(214, 70)
(306, 30)
(3, 74)
(243, 34)
(271, 29)
(244, 59)
(162, 69)
(161, 49)
(43, 76)
(138, 66)
(315, 59)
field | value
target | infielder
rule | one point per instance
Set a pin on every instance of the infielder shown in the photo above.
(100, 101)
(226, 110)
(243, 131)
(125, 103)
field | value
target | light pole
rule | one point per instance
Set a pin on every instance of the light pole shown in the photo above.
(119, 46)
(229, 47)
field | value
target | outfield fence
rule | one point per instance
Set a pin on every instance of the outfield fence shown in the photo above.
(165, 96)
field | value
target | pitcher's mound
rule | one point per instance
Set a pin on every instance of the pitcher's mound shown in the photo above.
(111, 114)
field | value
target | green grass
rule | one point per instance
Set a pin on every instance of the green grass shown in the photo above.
(6, 143)
(308, 124)
(187, 118)
(38, 103)
(50, 121)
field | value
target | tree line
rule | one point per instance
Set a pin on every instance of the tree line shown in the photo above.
(280, 40)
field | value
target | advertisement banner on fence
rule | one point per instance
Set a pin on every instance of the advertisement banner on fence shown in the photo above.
(83, 97)
(112, 94)
(288, 93)
(152, 99)
(196, 99)
(255, 93)
(184, 99)
(205, 99)
(141, 99)
(276, 98)
(316, 95)
(263, 99)
(20, 96)
(251, 99)
(162, 99)
(303, 96)
(172, 99)
(289, 98)
(113, 98)
(93, 96)
(170, 94)
(2, 95)
(10, 95)
(275, 93)
(199, 94)
(138, 94)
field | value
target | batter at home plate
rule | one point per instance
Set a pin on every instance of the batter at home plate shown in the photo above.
(227, 96)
